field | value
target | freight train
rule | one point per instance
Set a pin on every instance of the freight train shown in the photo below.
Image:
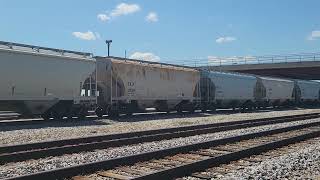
(56, 83)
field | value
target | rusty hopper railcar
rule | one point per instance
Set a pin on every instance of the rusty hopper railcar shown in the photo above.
(42, 81)
(127, 86)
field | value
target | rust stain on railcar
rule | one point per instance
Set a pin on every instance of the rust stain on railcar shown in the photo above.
(140, 67)
(179, 80)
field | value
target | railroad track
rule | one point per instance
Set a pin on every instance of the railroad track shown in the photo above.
(184, 160)
(14, 119)
(24, 152)
(17, 121)
(227, 171)
(21, 152)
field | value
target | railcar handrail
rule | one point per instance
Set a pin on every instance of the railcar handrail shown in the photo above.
(33, 48)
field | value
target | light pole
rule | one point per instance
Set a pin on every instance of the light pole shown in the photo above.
(108, 42)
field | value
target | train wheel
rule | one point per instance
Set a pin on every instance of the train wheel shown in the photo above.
(99, 112)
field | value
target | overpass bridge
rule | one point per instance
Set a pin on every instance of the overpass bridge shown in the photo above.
(298, 66)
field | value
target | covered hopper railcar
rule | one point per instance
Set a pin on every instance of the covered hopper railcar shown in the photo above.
(43, 81)
(127, 86)
(227, 90)
(307, 92)
(275, 92)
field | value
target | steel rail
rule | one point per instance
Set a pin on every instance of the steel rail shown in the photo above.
(67, 172)
(14, 121)
(36, 151)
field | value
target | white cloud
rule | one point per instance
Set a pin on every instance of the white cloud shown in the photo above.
(152, 17)
(125, 9)
(103, 17)
(89, 36)
(314, 35)
(145, 56)
(120, 10)
(225, 39)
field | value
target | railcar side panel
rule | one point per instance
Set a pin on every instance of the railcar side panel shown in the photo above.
(277, 89)
(309, 90)
(231, 88)
(148, 85)
(38, 81)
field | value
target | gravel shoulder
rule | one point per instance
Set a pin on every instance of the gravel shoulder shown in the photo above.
(66, 130)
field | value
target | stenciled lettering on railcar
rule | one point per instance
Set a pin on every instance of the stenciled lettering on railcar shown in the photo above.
(131, 89)
(130, 83)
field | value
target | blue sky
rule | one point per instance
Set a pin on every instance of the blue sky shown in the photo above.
(166, 29)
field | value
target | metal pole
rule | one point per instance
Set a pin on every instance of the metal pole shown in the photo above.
(108, 42)
(108, 49)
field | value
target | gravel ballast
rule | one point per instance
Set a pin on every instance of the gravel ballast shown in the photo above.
(31, 166)
(65, 130)
(299, 163)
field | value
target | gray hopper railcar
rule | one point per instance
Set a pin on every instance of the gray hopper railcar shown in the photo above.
(227, 90)
(275, 92)
(244, 91)
(307, 92)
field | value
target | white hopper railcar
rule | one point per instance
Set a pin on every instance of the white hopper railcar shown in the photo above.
(128, 86)
(275, 91)
(227, 90)
(307, 92)
(42, 81)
